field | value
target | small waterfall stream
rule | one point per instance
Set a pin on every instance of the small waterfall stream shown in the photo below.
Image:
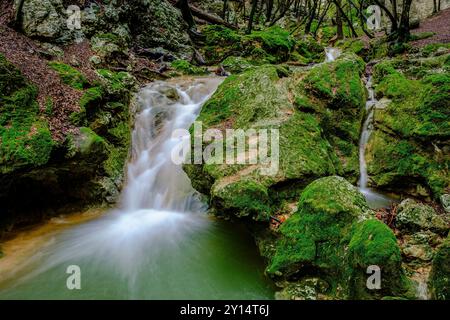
(375, 199)
(159, 244)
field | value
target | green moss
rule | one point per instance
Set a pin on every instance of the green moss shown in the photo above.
(186, 68)
(117, 83)
(220, 35)
(25, 137)
(247, 196)
(49, 106)
(395, 86)
(274, 40)
(383, 69)
(433, 47)
(120, 139)
(338, 82)
(310, 49)
(91, 97)
(373, 243)
(11, 78)
(393, 163)
(236, 64)
(326, 211)
(356, 46)
(329, 234)
(244, 99)
(69, 75)
(440, 272)
(303, 151)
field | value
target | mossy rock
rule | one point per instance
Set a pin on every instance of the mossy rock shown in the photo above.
(401, 164)
(374, 244)
(26, 140)
(332, 235)
(310, 49)
(187, 68)
(236, 64)
(440, 272)
(69, 75)
(400, 150)
(311, 135)
(338, 82)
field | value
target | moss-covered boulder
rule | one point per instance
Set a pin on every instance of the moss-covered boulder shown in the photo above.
(318, 135)
(333, 236)
(409, 147)
(440, 272)
(236, 64)
(259, 99)
(157, 23)
(271, 45)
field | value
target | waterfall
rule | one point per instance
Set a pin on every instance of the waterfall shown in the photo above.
(365, 134)
(375, 199)
(159, 243)
(331, 54)
(153, 180)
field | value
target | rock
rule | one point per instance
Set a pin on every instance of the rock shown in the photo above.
(156, 23)
(406, 149)
(95, 60)
(333, 235)
(440, 272)
(317, 136)
(419, 245)
(414, 216)
(236, 64)
(445, 201)
(43, 18)
(305, 289)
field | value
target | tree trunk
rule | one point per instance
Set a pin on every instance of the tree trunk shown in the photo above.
(339, 29)
(252, 15)
(269, 9)
(403, 31)
(209, 17)
(224, 11)
(183, 5)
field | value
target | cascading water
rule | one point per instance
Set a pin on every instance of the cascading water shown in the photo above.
(331, 54)
(159, 243)
(374, 199)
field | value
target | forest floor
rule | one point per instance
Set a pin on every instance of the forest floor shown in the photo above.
(439, 24)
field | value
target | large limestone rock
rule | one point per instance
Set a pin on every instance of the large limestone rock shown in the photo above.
(317, 120)
(41, 18)
(156, 23)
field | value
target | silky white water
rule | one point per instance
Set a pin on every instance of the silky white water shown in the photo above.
(374, 199)
(159, 242)
(331, 54)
